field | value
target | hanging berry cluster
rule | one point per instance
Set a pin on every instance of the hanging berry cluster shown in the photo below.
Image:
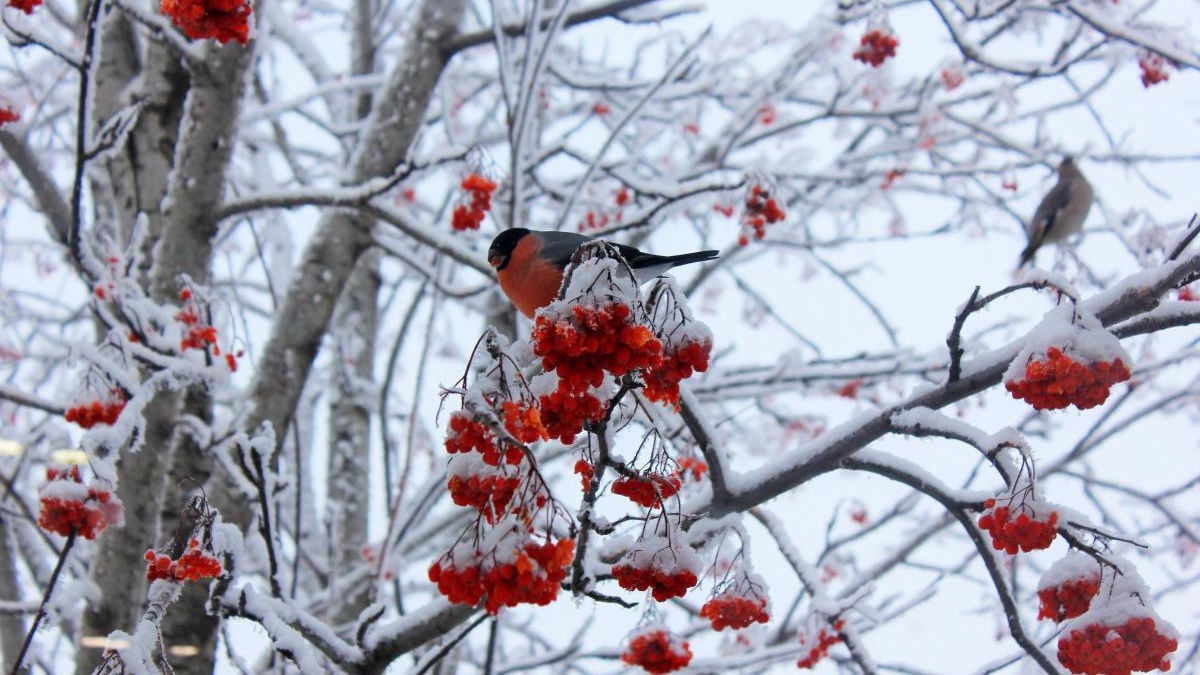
(595, 332)
(7, 114)
(664, 564)
(198, 331)
(818, 645)
(1135, 644)
(503, 566)
(1071, 360)
(509, 555)
(686, 343)
(1067, 587)
(195, 564)
(1060, 381)
(469, 215)
(70, 506)
(655, 650)
(220, 20)
(1025, 526)
(106, 412)
(738, 605)
(590, 351)
(1154, 68)
(1110, 630)
(876, 46)
(760, 209)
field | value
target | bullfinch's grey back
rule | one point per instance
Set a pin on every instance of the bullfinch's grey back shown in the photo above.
(1062, 211)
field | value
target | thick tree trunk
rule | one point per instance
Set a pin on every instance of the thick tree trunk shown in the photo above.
(349, 455)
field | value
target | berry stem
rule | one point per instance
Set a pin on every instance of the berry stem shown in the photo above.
(41, 614)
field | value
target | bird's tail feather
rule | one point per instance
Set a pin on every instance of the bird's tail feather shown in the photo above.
(1027, 254)
(688, 258)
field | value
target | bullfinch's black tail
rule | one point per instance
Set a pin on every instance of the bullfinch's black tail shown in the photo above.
(689, 258)
(639, 260)
(1027, 255)
(646, 266)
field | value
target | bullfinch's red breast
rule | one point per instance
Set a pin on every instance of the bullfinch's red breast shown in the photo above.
(530, 264)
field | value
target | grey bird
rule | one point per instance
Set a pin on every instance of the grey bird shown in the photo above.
(1062, 211)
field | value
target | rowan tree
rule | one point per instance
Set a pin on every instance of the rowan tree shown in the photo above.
(266, 409)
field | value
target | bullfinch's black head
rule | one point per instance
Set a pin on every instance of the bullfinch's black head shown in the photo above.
(502, 246)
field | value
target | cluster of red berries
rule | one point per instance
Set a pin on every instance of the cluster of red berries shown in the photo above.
(1154, 68)
(678, 364)
(1021, 533)
(523, 421)
(68, 505)
(24, 5)
(1136, 644)
(581, 348)
(1060, 381)
(731, 610)
(470, 216)
(661, 584)
(648, 490)
(875, 47)
(656, 651)
(585, 470)
(220, 20)
(198, 335)
(468, 435)
(825, 639)
(1068, 599)
(489, 495)
(592, 340)
(532, 577)
(761, 209)
(691, 468)
(106, 412)
(7, 114)
(565, 412)
(193, 565)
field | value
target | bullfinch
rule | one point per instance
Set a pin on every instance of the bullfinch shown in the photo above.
(530, 264)
(1062, 211)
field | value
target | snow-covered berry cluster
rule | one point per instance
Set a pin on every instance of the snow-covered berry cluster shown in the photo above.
(1059, 381)
(1067, 587)
(468, 434)
(198, 331)
(760, 209)
(733, 610)
(469, 215)
(662, 565)
(648, 490)
(876, 46)
(686, 343)
(514, 571)
(107, 411)
(1134, 644)
(1025, 527)
(818, 645)
(1154, 68)
(590, 341)
(70, 506)
(195, 564)
(220, 20)
(655, 650)
(1070, 359)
